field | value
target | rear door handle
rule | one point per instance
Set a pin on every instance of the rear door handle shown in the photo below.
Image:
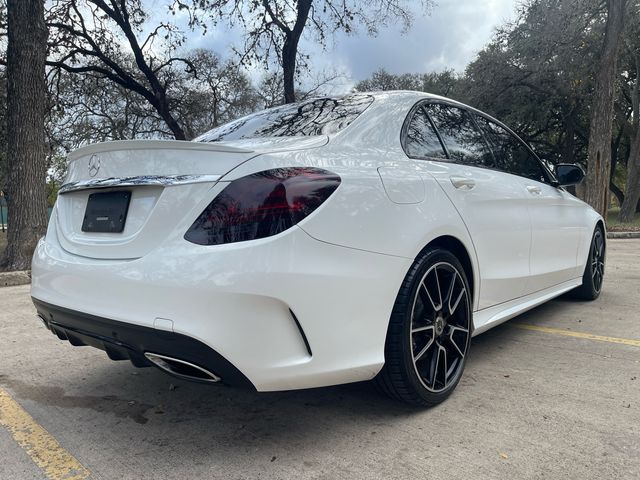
(534, 190)
(463, 183)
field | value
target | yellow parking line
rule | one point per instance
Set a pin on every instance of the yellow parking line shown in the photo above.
(44, 450)
(587, 336)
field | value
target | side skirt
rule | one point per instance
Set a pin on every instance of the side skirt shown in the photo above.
(488, 318)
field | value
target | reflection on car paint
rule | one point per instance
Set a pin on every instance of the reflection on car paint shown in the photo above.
(162, 180)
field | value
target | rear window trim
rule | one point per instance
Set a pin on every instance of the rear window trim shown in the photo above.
(404, 134)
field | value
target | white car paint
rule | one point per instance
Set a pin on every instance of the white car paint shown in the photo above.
(338, 270)
(560, 223)
(494, 210)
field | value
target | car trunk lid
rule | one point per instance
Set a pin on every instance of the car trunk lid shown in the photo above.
(163, 180)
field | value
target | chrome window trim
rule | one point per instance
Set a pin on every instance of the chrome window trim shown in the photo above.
(143, 180)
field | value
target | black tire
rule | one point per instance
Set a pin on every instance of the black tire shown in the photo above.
(412, 371)
(593, 276)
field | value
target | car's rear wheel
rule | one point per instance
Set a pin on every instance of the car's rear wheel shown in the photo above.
(593, 276)
(429, 332)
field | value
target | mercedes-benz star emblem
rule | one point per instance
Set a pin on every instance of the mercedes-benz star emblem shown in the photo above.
(94, 165)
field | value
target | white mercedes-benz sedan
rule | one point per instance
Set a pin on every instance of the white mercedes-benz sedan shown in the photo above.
(331, 241)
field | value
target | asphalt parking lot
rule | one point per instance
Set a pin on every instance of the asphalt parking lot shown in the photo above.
(556, 398)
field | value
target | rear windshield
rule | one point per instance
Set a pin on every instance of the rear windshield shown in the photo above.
(321, 116)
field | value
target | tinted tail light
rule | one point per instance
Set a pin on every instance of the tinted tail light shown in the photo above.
(262, 204)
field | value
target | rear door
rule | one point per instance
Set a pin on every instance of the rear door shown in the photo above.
(556, 216)
(492, 204)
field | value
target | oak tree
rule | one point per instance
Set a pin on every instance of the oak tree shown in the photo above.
(631, 199)
(112, 39)
(602, 110)
(26, 98)
(274, 28)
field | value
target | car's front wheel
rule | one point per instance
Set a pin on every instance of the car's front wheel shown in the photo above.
(593, 276)
(429, 332)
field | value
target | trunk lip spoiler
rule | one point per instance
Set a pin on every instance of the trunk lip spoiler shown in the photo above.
(128, 145)
(135, 181)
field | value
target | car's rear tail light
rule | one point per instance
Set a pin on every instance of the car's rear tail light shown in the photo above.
(262, 204)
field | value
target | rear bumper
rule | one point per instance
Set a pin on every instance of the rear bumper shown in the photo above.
(252, 303)
(124, 341)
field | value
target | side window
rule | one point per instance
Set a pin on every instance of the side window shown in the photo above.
(422, 139)
(464, 141)
(512, 156)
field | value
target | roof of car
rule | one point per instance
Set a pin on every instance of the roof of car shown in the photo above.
(409, 95)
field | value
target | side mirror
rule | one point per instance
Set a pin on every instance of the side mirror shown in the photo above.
(569, 174)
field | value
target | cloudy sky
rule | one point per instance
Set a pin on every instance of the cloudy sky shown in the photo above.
(449, 37)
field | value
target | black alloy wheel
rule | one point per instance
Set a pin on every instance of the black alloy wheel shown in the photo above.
(593, 276)
(429, 332)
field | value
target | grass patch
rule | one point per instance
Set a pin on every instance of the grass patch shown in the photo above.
(614, 225)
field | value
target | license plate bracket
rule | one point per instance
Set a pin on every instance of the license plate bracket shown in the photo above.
(106, 212)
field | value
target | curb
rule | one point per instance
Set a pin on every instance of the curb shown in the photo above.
(623, 234)
(12, 279)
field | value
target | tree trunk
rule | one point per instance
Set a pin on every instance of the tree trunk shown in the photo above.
(26, 99)
(615, 153)
(163, 109)
(599, 152)
(290, 50)
(617, 191)
(289, 53)
(569, 143)
(632, 191)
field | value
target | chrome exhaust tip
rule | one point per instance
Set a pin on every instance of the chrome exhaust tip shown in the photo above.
(182, 368)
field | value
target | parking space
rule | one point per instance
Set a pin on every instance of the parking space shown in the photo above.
(533, 403)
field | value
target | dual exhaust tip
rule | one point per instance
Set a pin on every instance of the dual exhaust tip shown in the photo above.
(174, 366)
(182, 368)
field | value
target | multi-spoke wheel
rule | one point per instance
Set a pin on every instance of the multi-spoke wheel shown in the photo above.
(597, 260)
(593, 276)
(439, 327)
(429, 332)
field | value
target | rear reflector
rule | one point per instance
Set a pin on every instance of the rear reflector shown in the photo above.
(262, 204)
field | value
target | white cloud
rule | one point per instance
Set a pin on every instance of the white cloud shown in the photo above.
(449, 38)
